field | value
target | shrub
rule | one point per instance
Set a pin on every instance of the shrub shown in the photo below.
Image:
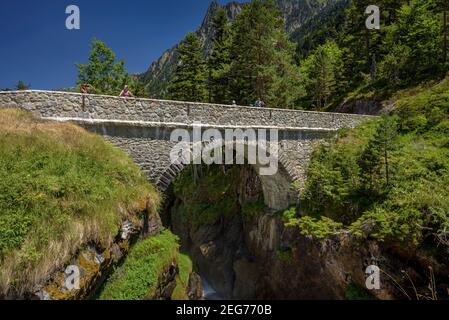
(137, 278)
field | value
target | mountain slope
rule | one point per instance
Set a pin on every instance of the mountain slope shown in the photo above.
(297, 13)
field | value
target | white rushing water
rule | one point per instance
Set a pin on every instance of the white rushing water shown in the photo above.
(209, 293)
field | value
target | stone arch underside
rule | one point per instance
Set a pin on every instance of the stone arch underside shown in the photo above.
(277, 188)
(150, 148)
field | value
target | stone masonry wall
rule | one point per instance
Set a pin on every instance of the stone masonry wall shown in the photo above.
(73, 105)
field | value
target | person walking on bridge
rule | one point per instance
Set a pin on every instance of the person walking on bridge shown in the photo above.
(259, 103)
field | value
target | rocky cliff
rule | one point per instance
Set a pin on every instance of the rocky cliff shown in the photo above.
(246, 252)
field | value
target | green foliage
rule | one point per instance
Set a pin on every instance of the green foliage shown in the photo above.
(263, 58)
(320, 229)
(430, 104)
(253, 209)
(189, 80)
(320, 28)
(103, 74)
(322, 74)
(388, 179)
(354, 292)
(22, 86)
(334, 180)
(288, 214)
(137, 277)
(182, 281)
(410, 47)
(340, 59)
(415, 44)
(284, 255)
(58, 184)
(210, 197)
(219, 61)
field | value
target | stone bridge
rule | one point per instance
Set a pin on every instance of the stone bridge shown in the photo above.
(142, 127)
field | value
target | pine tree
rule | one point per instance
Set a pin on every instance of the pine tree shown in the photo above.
(219, 61)
(377, 154)
(441, 7)
(22, 86)
(102, 73)
(322, 74)
(262, 57)
(189, 80)
(363, 48)
(418, 29)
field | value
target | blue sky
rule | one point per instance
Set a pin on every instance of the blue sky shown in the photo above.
(38, 49)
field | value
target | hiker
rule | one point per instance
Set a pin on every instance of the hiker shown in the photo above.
(85, 88)
(234, 104)
(126, 93)
(259, 103)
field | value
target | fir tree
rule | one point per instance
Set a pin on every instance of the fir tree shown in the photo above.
(322, 74)
(189, 80)
(262, 57)
(22, 86)
(219, 61)
(102, 73)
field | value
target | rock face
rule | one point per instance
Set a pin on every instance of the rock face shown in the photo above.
(194, 288)
(85, 273)
(262, 257)
(218, 248)
(296, 13)
(367, 106)
(166, 283)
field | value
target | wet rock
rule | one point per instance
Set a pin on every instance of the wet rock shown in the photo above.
(166, 283)
(246, 279)
(194, 288)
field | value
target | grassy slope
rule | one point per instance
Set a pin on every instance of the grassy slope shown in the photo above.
(415, 206)
(137, 278)
(60, 187)
(182, 281)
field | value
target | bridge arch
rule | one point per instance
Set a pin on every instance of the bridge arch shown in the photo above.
(277, 188)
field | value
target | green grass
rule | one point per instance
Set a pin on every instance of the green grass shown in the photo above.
(354, 292)
(60, 187)
(253, 209)
(137, 277)
(185, 268)
(288, 214)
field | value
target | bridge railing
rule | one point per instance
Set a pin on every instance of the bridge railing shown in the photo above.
(53, 104)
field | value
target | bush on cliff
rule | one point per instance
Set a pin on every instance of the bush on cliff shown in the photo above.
(388, 179)
(137, 278)
(60, 187)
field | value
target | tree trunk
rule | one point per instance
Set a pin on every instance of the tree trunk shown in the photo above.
(387, 169)
(445, 36)
(367, 49)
